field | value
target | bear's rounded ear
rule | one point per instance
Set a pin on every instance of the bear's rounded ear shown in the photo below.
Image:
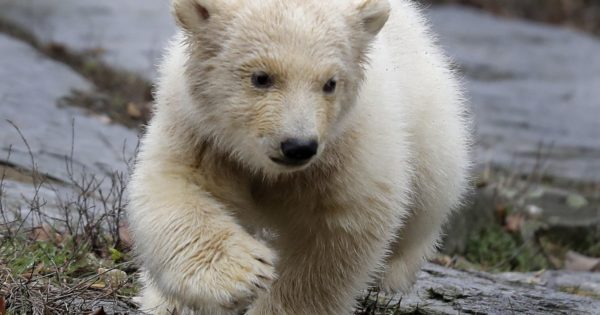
(372, 14)
(192, 15)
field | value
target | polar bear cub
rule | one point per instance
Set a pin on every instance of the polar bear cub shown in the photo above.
(337, 126)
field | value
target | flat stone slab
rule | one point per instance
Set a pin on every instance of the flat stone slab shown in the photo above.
(586, 282)
(64, 141)
(442, 291)
(130, 34)
(534, 89)
(24, 202)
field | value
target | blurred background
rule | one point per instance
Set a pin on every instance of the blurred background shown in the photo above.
(76, 90)
(579, 14)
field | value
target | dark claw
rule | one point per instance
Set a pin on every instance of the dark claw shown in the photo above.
(264, 278)
(264, 261)
(260, 286)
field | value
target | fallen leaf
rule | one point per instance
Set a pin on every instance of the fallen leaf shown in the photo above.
(105, 119)
(500, 212)
(2, 306)
(41, 233)
(514, 221)
(113, 278)
(577, 262)
(133, 110)
(98, 286)
(443, 260)
(125, 235)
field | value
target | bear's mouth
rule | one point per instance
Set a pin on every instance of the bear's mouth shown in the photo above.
(288, 162)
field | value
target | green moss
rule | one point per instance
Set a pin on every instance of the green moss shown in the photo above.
(115, 255)
(495, 249)
(44, 257)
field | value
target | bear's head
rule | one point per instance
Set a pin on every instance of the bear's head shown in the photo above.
(272, 81)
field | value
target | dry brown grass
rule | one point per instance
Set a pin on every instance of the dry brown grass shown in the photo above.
(69, 255)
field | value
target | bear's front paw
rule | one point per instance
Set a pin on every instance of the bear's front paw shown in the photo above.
(238, 275)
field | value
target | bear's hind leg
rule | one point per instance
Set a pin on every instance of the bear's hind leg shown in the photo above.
(417, 242)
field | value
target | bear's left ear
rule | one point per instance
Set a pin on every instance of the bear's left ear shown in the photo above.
(194, 15)
(372, 15)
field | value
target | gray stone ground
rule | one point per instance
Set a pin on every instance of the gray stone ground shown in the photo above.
(31, 86)
(529, 84)
(131, 33)
(559, 280)
(443, 291)
(67, 145)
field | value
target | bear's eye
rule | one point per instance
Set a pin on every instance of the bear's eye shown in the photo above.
(329, 87)
(262, 80)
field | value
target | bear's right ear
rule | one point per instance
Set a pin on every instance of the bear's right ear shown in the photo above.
(192, 15)
(373, 15)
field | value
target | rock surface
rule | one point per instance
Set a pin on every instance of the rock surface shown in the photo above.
(584, 282)
(443, 291)
(554, 210)
(30, 89)
(530, 85)
(131, 34)
(534, 88)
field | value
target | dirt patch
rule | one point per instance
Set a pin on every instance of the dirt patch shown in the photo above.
(121, 95)
(10, 173)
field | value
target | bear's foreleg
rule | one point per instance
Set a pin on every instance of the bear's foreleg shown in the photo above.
(196, 257)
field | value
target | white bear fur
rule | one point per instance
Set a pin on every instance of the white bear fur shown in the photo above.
(368, 210)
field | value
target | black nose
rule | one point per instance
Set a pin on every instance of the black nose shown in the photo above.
(299, 149)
